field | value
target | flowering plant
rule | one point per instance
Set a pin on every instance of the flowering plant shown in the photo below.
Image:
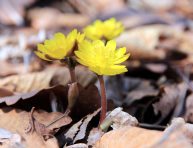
(107, 30)
(101, 58)
(60, 46)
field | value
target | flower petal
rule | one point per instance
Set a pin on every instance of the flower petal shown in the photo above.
(41, 55)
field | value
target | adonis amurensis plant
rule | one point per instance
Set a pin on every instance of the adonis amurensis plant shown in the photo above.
(95, 49)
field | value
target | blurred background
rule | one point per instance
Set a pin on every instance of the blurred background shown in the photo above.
(24, 23)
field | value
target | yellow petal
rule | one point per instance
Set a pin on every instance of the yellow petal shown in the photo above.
(122, 59)
(42, 56)
(59, 36)
(120, 52)
(115, 69)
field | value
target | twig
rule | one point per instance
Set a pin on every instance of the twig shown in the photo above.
(152, 126)
(64, 115)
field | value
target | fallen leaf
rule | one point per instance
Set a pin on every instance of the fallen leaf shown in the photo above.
(87, 7)
(78, 130)
(155, 42)
(5, 92)
(63, 19)
(138, 137)
(12, 12)
(47, 131)
(73, 130)
(27, 82)
(40, 80)
(82, 131)
(139, 89)
(87, 102)
(170, 96)
(189, 109)
(120, 118)
(45, 99)
(126, 90)
(56, 99)
(16, 120)
(5, 134)
(94, 135)
(78, 145)
(141, 42)
(9, 139)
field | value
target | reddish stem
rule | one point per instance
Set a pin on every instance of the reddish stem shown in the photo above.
(103, 99)
(72, 74)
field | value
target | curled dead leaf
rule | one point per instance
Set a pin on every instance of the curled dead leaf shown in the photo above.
(40, 80)
(16, 120)
(78, 130)
(46, 131)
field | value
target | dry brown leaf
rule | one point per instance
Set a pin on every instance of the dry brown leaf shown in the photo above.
(27, 82)
(87, 102)
(177, 127)
(16, 120)
(82, 131)
(39, 80)
(56, 99)
(11, 69)
(45, 118)
(5, 92)
(46, 131)
(78, 130)
(78, 145)
(120, 118)
(87, 7)
(12, 12)
(143, 42)
(47, 99)
(188, 131)
(139, 88)
(48, 14)
(131, 88)
(94, 135)
(73, 130)
(189, 109)
(170, 96)
(138, 137)
(9, 138)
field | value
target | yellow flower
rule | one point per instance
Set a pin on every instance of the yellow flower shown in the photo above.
(108, 29)
(102, 59)
(60, 46)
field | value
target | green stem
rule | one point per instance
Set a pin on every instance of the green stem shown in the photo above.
(103, 99)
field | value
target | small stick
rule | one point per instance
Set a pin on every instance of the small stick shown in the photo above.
(65, 114)
(151, 126)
